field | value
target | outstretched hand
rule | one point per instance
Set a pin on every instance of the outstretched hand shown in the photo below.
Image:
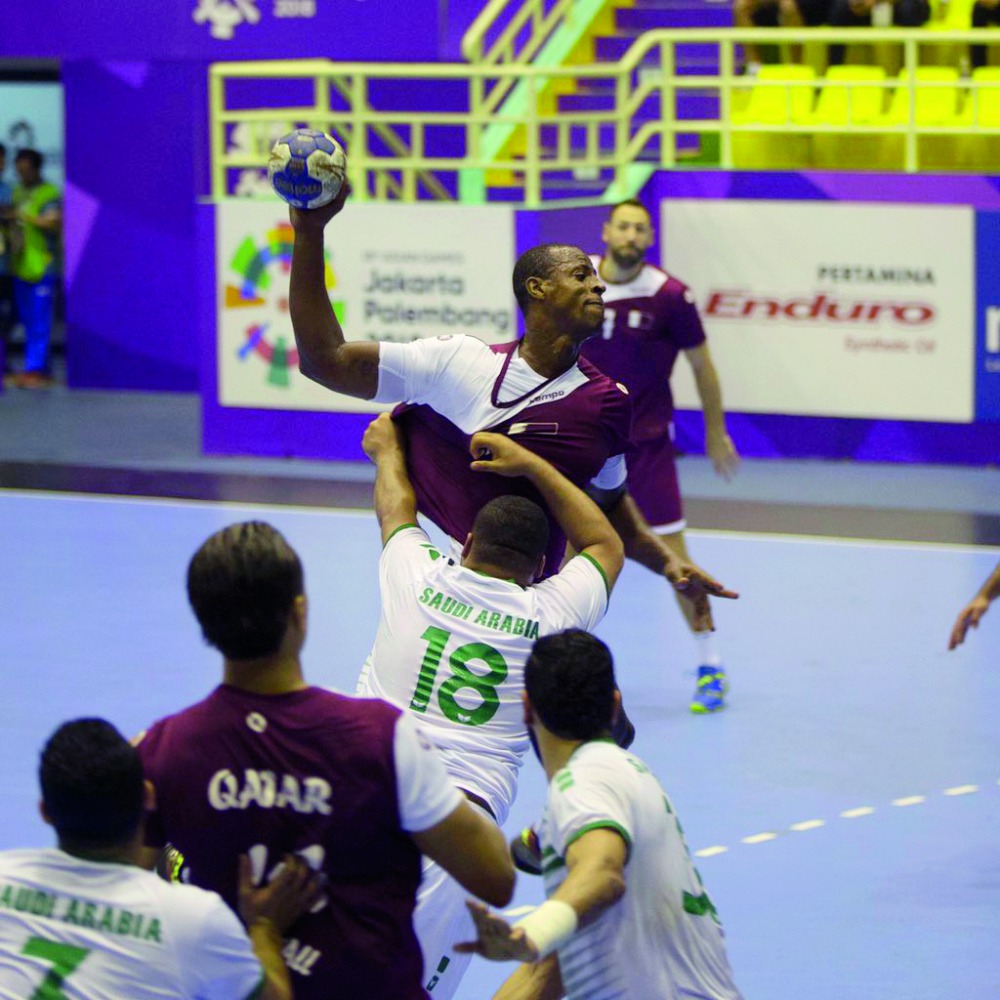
(968, 617)
(498, 453)
(697, 586)
(314, 220)
(496, 939)
(294, 888)
(725, 458)
(381, 436)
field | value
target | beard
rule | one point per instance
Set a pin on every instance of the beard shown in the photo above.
(627, 257)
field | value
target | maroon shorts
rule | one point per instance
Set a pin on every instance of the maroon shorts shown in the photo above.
(652, 481)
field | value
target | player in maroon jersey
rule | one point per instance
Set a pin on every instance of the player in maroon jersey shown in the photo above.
(536, 389)
(649, 319)
(268, 766)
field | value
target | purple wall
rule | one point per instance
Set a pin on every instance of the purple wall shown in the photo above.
(135, 82)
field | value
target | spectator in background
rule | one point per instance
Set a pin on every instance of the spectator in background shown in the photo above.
(876, 13)
(36, 220)
(6, 300)
(773, 14)
(984, 13)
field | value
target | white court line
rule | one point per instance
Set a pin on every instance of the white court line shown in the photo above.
(758, 536)
(882, 543)
(807, 824)
(710, 852)
(759, 838)
(121, 498)
(962, 790)
(910, 800)
(855, 813)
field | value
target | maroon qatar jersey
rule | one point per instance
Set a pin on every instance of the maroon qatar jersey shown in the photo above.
(312, 773)
(648, 321)
(578, 421)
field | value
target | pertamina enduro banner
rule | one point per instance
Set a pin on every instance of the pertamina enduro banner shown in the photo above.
(829, 308)
(393, 272)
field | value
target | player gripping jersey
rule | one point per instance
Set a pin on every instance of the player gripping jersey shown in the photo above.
(535, 389)
(454, 636)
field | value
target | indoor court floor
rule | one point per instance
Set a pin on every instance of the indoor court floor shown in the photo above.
(844, 809)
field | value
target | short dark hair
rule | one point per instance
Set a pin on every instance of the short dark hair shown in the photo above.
(32, 156)
(92, 784)
(3, 149)
(630, 203)
(511, 532)
(242, 584)
(538, 262)
(570, 680)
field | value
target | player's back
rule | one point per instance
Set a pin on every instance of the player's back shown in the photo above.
(87, 930)
(451, 647)
(662, 938)
(308, 772)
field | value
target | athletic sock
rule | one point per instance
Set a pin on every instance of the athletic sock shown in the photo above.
(708, 649)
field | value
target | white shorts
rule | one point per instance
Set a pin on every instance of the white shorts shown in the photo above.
(441, 920)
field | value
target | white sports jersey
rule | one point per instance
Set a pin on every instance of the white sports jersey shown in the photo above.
(451, 647)
(662, 939)
(84, 930)
(455, 375)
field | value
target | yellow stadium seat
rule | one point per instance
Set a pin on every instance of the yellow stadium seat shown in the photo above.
(780, 95)
(936, 101)
(849, 95)
(982, 111)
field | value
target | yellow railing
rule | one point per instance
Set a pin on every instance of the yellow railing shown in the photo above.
(396, 151)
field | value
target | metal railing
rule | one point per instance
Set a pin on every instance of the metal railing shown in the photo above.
(399, 152)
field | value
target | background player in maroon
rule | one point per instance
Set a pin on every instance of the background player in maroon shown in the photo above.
(537, 389)
(649, 319)
(268, 766)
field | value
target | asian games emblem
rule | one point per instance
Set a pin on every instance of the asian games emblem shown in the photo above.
(258, 284)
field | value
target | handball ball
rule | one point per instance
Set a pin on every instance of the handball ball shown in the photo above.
(307, 168)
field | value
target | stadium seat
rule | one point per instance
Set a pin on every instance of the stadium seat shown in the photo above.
(936, 103)
(849, 95)
(770, 103)
(981, 111)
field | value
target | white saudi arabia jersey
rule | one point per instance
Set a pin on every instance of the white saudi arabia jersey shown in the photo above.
(451, 647)
(83, 930)
(662, 939)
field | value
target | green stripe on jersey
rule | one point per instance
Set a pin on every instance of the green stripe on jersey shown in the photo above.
(396, 531)
(603, 824)
(600, 569)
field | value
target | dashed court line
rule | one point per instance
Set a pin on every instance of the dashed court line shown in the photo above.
(765, 836)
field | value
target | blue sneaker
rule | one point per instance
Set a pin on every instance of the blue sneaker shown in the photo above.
(711, 691)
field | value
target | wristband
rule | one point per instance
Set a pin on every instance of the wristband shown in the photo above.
(550, 926)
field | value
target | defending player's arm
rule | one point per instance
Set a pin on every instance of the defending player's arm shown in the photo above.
(395, 500)
(324, 356)
(718, 443)
(595, 880)
(586, 528)
(442, 823)
(972, 613)
(268, 912)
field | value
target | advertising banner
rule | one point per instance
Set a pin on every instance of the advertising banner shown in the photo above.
(988, 316)
(394, 272)
(830, 309)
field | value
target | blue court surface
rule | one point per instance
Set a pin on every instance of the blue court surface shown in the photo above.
(845, 808)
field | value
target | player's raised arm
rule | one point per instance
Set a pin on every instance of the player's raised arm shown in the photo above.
(585, 526)
(395, 500)
(324, 356)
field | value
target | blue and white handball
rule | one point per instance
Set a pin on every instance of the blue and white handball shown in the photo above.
(307, 168)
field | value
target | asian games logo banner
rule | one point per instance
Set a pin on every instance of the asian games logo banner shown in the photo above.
(393, 272)
(831, 309)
